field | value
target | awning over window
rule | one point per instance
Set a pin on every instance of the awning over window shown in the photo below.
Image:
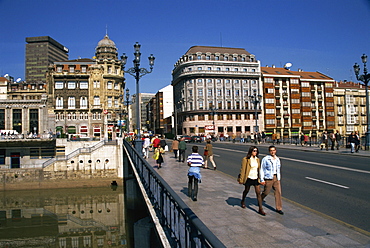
(59, 128)
(71, 129)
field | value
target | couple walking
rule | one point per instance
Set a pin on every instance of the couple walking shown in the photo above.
(267, 173)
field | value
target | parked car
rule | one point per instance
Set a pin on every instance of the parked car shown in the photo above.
(197, 139)
(187, 138)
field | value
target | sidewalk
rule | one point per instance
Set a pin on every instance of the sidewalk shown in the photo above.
(218, 206)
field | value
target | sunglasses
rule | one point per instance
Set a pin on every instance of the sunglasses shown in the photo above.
(255, 150)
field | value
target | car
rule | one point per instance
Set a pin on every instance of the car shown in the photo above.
(187, 138)
(197, 139)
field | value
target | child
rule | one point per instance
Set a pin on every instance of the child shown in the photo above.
(195, 161)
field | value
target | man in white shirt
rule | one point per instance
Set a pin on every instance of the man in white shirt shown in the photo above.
(270, 177)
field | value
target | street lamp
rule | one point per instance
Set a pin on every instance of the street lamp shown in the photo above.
(137, 73)
(255, 99)
(127, 104)
(365, 79)
(213, 110)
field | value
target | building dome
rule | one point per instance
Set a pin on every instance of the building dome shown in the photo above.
(106, 49)
(106, 42)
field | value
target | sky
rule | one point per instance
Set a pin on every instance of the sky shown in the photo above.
(314, 35)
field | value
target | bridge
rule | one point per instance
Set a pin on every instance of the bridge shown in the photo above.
(217, 220)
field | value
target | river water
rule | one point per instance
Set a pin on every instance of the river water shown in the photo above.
(78, 217)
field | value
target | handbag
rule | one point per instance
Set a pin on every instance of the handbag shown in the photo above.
(205, 152)
(239, 179)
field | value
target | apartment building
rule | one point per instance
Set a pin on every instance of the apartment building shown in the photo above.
(297, 102)
(212, 91)
(350, 107)
(86, 95)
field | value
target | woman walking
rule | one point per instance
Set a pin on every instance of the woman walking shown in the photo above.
(249, 176)
(208, 154)
(158, 155)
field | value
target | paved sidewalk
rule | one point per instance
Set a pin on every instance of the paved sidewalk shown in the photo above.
(218, 206)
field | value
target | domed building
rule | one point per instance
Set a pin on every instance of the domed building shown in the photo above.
(86, 94)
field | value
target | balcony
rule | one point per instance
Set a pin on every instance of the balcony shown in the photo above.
(286, 116)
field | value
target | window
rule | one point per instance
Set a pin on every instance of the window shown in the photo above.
(59, 103)
(59, 85)
(227, 69)
(217, 58)
(83, 69)
(199, 68)
(236, 69)
(83, 102)
(200, 92)
(269, 100)
(109, 101)
(208, 57)
(190, 93)
(305, 84)
(109, 85)
(71, 102)
(237, 92)
(294, 81)
(116, 86)
(295, 100)
(270, 121)
(200, 105)
(218, 69)
(96, 101)
(210, 92)
(270, 111)
(71, 69)
(59, 69)
(219, 92)
(226, 58)
(199, 57)
(96, 84)
(209, 68)
(84, 85)
(71, 85)
(228, 92)
(235, 58)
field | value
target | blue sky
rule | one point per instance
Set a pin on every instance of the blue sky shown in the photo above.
(314, 35)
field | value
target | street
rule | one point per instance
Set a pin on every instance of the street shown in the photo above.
(335, 185)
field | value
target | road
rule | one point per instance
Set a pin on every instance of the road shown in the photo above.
(333, 184)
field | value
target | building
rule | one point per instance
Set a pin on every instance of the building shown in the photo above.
(297, 102)
(212, 91)
(350, 108)
(144, 100)
(40, 53)
(160, 111)
(86, 95)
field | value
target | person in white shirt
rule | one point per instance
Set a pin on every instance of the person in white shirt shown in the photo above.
(146, 146)
(270, 177)
(249, 176)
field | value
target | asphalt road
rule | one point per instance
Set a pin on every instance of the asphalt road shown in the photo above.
(335, 185)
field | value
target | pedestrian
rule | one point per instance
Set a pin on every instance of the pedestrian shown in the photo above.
(338, 139)
(146, 146)
(175, 147)
(163, 144)
(263, 137)
(306, 139)
(278, 138)
(273, 137)
(155, 142)
(270, 177)
(182, 148)
(249, 176)
(208, 154)
(357, 141)
(195, 161)
(233, 137)
(324, 141)
(352, 141)
(302, 139)
(158, 152)
(332, 139)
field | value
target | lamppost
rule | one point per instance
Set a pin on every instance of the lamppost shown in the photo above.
(128, 116)
(137, 73)
(365, 79)
(213, 110)
(255, 99)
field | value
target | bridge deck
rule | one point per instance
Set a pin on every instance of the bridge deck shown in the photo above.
(218, 206)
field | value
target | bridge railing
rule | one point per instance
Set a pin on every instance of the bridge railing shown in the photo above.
(182, 227)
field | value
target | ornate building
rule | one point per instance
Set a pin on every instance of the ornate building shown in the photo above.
(350, 107)
(212, 88)
(297, 102)
(86, 96)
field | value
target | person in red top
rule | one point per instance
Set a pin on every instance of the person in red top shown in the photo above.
(156, 141)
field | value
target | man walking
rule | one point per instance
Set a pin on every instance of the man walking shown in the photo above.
(195, 162)
(182, 148)
(270, 177)
(338, 139)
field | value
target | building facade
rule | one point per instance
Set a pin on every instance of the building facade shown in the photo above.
(86, 96)
(350, 108)
(297, 102)
(212, 91)
(40, 53)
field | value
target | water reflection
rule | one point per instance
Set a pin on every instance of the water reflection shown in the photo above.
(94, 217)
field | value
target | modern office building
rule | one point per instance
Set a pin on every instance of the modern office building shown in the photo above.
(297, 102)
(212, 91)
(350, 108)
(40, 53)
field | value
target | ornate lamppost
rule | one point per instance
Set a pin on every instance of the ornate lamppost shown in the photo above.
(127, 104)
(137, 73)
(364, 78)
(256, 100)
(213, 110)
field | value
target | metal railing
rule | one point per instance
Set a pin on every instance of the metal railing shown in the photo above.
(183, 228)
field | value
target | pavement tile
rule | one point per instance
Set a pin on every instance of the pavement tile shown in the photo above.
(218, 207)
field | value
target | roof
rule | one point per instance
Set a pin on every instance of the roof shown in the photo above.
(213, 50)
(3, 79)
(349, 85)
(302, 74)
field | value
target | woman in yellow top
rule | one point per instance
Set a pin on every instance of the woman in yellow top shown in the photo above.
(249, 175)
(158, 156)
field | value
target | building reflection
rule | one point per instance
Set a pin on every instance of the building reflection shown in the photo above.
(63, 218)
